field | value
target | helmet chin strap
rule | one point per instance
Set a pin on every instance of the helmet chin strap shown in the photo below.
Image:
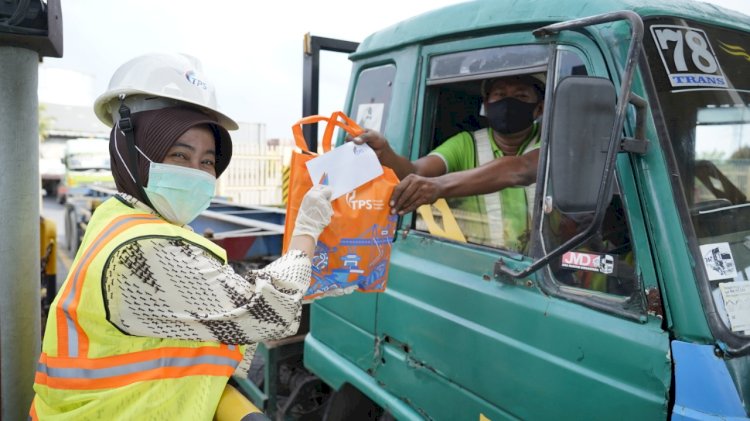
(126, 125)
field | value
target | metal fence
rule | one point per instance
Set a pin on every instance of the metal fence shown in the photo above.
(254, 177)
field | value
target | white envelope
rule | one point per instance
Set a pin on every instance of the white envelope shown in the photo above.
(345, 168)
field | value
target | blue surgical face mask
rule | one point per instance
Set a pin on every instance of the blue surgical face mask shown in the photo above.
(178, 193)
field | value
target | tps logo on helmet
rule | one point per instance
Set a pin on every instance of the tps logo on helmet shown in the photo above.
(367, 204)
(192, 77)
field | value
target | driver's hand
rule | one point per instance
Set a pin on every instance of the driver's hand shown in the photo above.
(375, 140)
(413, 192)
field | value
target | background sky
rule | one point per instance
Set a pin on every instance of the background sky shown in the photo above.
(251, 50)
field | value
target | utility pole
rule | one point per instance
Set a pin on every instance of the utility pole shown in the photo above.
(19, 227)
(29, 30)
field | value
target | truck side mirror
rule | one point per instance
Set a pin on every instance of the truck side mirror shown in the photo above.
(583, 115)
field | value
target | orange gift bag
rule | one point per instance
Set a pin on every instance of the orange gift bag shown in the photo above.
(353, 252)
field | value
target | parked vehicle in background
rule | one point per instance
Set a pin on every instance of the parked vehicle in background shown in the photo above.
(51, 167)
(86, 164)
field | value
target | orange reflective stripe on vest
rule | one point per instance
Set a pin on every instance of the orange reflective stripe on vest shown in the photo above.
(72, 340)
(32, 411)
(121, 370)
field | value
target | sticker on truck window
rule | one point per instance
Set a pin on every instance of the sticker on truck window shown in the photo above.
(688, 57)
(734, 50)
(370, 116)
(592, 262)
(736, 297)
(718, 261)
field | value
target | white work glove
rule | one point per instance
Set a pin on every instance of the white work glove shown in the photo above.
(315, 212)
(336, 292)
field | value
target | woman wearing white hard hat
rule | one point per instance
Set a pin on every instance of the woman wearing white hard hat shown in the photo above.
(151, 321)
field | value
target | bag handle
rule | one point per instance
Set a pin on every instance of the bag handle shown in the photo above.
(347, 125)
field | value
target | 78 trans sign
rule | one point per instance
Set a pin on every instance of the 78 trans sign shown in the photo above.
(688, 57)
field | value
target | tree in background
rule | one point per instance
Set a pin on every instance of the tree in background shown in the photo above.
(45, 122)
(741, 153)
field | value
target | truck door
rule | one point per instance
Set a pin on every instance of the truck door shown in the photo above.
(574, 339)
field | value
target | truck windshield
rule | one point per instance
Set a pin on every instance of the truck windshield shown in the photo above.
(700, 73)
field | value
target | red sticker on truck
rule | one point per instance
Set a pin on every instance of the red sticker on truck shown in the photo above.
(603, 263)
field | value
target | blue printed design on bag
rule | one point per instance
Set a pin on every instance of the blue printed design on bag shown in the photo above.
(347, 256)
(376, 278)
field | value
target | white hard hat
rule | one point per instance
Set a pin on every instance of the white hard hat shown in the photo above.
(154, 81)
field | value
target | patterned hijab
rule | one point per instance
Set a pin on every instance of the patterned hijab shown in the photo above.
(155, 132)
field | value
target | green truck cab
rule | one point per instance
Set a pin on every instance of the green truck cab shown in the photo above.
(632, 301)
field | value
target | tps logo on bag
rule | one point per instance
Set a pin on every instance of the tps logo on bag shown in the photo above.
(367, 204)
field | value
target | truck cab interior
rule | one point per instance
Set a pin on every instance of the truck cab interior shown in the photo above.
(456, 106)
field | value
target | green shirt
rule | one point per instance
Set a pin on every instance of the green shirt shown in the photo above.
(459, 154)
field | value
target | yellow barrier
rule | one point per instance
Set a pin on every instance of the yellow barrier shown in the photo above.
(285, 183)
(234, 406)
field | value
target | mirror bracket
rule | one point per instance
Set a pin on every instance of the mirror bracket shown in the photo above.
(636, 146)
(639, 144)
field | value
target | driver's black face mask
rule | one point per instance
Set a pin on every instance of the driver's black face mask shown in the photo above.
(510, 115)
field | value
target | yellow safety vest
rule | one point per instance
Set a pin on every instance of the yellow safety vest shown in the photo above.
(90, 370)
(504, 227)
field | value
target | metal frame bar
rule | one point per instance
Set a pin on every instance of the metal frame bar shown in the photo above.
(311, 78)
